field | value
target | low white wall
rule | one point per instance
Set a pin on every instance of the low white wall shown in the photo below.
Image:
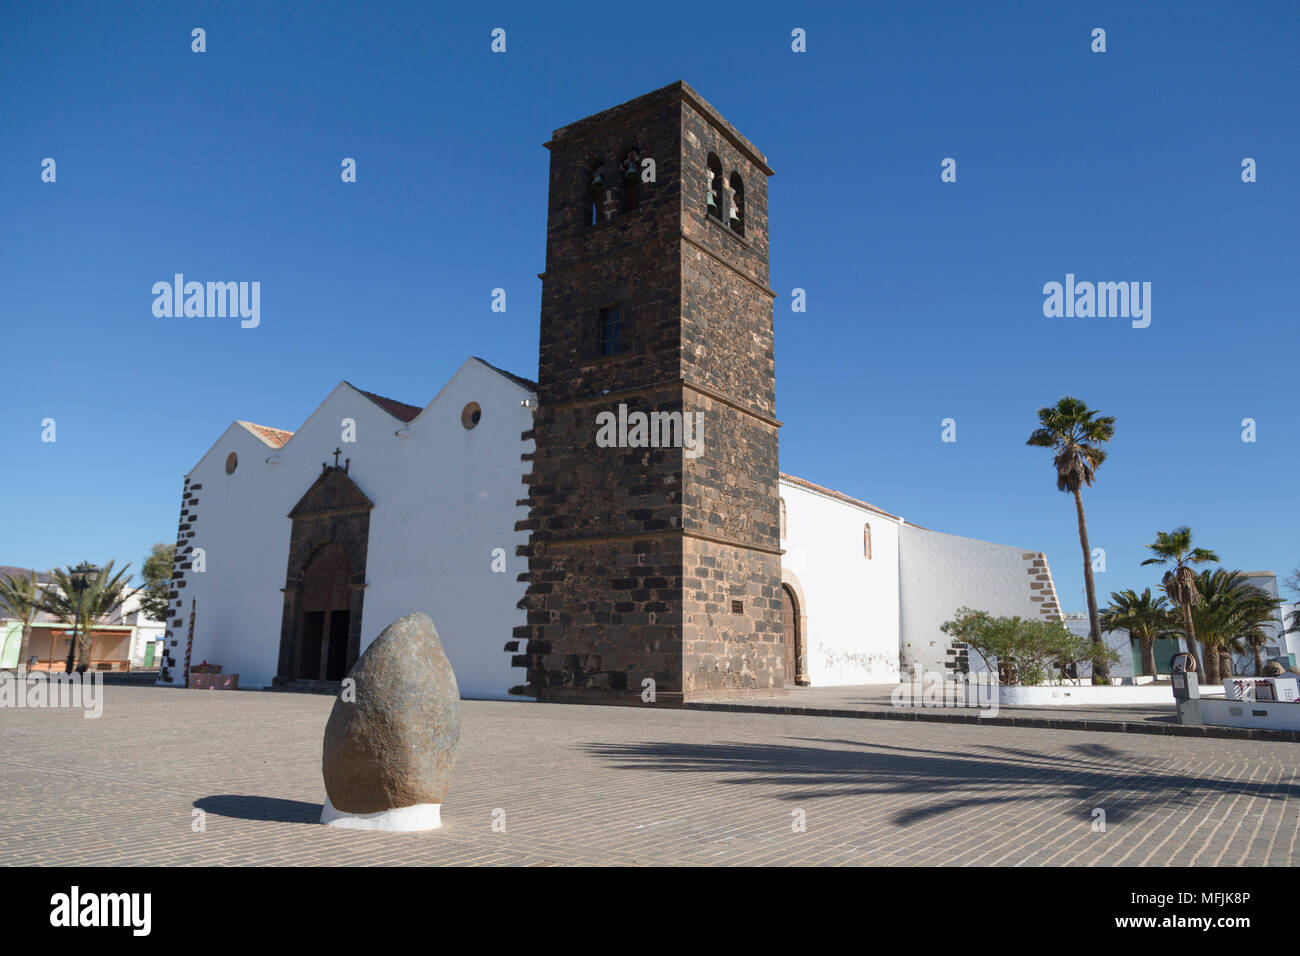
(1090, 695)
(1260, 715)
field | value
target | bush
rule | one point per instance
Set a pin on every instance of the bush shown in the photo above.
(1022, 651)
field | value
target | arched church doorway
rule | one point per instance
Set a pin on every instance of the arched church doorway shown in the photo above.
(793, 639)
(326, 609)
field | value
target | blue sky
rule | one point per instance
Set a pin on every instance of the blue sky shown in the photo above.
(924, 298)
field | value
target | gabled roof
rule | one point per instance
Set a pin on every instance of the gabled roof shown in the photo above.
(402, 411)
(527, 383)
(272, 437)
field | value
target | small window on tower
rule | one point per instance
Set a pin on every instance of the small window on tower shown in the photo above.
(611, 330)
(737, 204)
(713, 187)
(866, 541)
(782, 520)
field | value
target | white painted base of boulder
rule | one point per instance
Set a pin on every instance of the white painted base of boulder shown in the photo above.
(1090, 695)
(422, 816)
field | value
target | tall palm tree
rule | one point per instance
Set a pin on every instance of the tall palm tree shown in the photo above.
(104, 593)
(22, 595)
(1076, 433)
(1144, 618)
(1174, 548)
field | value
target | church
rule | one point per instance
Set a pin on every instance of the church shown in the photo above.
(559, 562)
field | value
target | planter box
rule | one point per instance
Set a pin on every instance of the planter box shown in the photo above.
(205, 669)
(208, 681)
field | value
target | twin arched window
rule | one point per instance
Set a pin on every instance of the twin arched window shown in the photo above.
(728, 208)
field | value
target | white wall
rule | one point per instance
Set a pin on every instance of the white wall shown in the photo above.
(851, 602)
(939, 573)
(1291, 639)
(1118, 640)
(444, 499)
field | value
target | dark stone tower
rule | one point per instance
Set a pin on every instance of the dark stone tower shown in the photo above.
(654, 562)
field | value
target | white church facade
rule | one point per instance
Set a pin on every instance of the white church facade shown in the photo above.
(295, 549)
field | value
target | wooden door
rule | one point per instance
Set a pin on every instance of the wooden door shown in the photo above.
(326, 610)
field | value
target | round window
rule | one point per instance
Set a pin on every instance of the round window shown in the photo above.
(470, 415)
(232, 462)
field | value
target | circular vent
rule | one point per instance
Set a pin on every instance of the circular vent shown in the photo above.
(470, 415)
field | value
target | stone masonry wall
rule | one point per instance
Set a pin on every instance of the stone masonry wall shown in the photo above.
(615, 533)
(172, 667)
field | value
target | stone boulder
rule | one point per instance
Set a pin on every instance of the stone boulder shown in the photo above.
(388, 753)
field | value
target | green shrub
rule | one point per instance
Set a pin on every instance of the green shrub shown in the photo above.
(1023, 652)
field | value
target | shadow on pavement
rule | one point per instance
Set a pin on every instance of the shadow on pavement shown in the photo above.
(1094, 775)
(244, 807)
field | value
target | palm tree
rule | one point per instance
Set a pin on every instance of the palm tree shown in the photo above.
(1076, 433)
(104, 593)
(1233, 614)
(1142, 617)
(22, 595)
(1175, 548)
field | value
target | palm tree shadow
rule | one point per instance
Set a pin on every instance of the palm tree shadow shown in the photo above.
(246, 807)
(1097, 775)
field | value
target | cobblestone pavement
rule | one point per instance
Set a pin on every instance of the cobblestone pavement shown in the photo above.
(580, 784)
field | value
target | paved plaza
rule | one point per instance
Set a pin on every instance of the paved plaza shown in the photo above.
(594, 785)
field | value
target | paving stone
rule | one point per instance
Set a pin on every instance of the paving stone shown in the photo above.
(637, 786)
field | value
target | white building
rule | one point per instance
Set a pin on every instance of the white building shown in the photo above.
(147, 634)
(293, 558)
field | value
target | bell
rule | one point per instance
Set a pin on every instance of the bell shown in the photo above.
(632, 165)
(598, 177)
(735, 213)
(712, 204)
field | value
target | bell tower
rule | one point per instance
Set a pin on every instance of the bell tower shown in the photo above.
(654, 552)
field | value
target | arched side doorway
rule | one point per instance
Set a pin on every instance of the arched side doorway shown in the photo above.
(795, 617)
